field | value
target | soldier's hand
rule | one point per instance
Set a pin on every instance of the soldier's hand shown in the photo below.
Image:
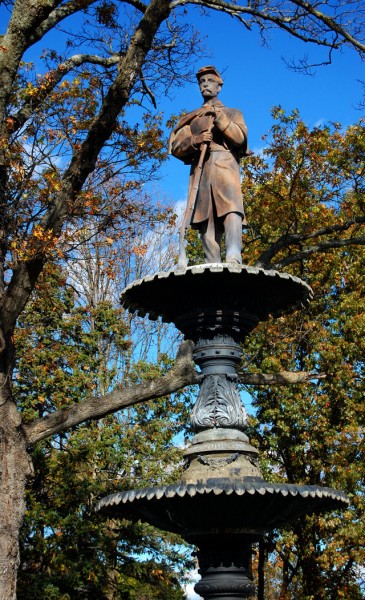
(221, 120)
(204, 137)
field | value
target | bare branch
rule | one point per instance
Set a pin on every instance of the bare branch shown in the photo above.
(56, 17)
(294, 239)
(259, 17)
(292, 24)
(148, 91)
(305, 66)
(137, 4)
(331, 24)
(282, 378)
(321, 247)
(181, 375)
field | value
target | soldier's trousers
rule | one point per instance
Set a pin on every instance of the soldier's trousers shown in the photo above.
(211, 232)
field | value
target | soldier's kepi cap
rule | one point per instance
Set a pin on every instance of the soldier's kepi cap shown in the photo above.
(209, 69)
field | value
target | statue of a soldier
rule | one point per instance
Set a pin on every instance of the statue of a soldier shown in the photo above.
(211, 139)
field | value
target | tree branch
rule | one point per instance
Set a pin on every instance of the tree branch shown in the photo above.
(24, 20)
(181, 375)
(291, 24)
(84, 160)
(137, 4)
(52, 79)
(57, 16)
(296, 238)
(147, 90)
(281, 378)
(331, 24)
(321, 247)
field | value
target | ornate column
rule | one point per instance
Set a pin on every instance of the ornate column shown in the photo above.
(220, 448)
(219, 403)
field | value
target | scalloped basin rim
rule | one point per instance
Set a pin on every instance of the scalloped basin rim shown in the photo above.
(221, 506)
(237, 294)
(215, 486)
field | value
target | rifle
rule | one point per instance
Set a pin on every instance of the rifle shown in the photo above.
(190, 206)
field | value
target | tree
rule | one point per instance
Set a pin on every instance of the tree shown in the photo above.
(307, 201)
(74, 342)
(63, 132)
(66, 351)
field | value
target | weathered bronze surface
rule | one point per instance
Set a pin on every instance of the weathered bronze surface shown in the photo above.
(211, 139)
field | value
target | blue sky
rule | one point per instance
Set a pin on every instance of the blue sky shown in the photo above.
(256, 79)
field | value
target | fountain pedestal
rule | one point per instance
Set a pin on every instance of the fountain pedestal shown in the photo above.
(225, 567)
(220, 446)
(222, 504)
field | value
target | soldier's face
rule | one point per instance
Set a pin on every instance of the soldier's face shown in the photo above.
(209, 86)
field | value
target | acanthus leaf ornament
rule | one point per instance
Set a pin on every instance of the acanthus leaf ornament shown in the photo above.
(218, 404)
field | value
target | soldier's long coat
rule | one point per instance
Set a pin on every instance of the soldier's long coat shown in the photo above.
(220, 180)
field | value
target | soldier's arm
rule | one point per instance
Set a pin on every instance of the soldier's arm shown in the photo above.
(185, 144)
(233, 127)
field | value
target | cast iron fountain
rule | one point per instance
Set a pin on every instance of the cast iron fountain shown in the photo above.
(222, 504)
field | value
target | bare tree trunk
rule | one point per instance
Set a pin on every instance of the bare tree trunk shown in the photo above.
(284, 590)
(313, 584)
(15, 468)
